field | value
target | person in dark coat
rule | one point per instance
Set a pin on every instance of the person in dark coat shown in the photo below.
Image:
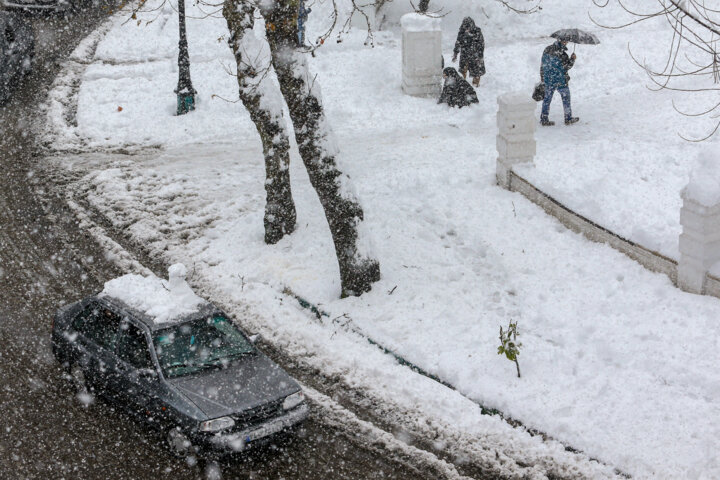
(554, 69)
(456, 92)
(470, 44)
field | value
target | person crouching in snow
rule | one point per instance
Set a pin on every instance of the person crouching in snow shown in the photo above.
(554, 73)
(470, 44)
(456, 92)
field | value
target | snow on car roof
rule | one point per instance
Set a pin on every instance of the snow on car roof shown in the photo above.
(162, 300)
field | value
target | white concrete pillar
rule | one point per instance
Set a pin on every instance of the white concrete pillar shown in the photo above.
(700, 238)
(421, 55)
(516, 133)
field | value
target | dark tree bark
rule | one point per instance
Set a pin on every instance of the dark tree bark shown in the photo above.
(314, 138)
(423, 6)
(252, 73)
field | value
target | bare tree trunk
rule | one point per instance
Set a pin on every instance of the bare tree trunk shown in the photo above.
(317, 148)
(254, 84)
(423, 6)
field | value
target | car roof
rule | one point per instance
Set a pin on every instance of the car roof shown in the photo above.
(119, 306)
(158, 302)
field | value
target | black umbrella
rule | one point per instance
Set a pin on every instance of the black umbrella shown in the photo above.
(575, 35)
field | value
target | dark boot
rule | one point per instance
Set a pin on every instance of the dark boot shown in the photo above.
(546, 123)
(571, 120)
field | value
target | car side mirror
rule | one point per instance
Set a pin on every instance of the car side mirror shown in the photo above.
(148, 373)
(255, 338)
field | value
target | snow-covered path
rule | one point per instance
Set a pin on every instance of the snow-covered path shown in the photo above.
(610, 351)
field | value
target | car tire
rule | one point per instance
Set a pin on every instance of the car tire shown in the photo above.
(178, 443)
(28, 61)
(80, 384)
(57, 353)
(55, 350)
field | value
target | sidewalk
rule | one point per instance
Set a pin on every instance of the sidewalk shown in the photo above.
(610, 356)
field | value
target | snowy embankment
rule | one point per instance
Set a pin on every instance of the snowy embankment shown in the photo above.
(616, 362)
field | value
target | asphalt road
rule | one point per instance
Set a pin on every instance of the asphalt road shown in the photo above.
(46, 260)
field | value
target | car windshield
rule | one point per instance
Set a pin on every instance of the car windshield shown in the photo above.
(212, 342)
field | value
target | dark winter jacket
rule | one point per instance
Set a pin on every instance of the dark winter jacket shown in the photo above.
(457, 92)
(555, 65)
(470, 44)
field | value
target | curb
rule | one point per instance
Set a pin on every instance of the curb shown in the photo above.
(350, 326)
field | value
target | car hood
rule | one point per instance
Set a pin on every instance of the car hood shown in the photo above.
(249, 382)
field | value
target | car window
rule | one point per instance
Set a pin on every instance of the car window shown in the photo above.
(132, 346)
(101, 327)
(79, 321)
(212, 342)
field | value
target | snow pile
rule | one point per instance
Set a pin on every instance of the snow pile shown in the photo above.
(704, 185)
(414, 22)
(163, 301)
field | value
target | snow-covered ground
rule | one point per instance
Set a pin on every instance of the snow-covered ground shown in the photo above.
(616, 362)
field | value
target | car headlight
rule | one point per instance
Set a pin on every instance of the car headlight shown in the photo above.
(293, 400)
(217, 424)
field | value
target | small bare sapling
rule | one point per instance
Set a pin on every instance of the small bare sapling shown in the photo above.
(509, 346)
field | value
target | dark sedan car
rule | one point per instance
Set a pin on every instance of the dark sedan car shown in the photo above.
(197, 377)
(17, 46)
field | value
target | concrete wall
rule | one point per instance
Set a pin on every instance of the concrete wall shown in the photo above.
(699, 243)
(421, 56)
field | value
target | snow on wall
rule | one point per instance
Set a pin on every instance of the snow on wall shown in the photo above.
(704, 185)
(414, 22)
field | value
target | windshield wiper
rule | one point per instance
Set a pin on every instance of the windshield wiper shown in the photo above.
(229, 358)
(196, 366)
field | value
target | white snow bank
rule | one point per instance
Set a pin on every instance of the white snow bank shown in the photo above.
(163, 301)
(704, 185)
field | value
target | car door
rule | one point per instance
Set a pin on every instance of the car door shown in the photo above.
(78, 338)
(137, 380)
(97, 328)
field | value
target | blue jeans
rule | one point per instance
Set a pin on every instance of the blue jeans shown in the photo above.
(564, 94)
(301, 31)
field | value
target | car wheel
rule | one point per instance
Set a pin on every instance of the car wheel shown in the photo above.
(81, 386)
(60, 357)
(179, 444)
(27, 64)
(29, 59)
(56, 352)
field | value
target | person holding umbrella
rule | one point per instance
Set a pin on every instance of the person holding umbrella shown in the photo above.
(554, 73)
(554, 69)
